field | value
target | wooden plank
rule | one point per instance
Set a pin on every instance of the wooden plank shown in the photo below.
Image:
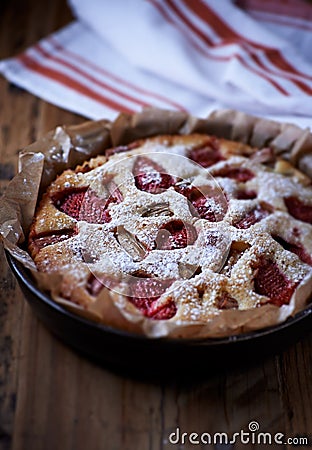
(295, 375)
(23, 118)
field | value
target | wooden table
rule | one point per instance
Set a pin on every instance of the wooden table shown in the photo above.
(53, 399)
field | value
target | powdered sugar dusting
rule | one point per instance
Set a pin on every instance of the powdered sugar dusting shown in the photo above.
(202, 271)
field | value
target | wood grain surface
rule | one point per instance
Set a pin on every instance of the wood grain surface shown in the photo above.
(53, 399)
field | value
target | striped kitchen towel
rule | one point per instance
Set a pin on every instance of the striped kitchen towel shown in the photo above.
(193, 55)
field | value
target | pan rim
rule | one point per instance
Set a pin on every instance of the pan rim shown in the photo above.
(23, 275)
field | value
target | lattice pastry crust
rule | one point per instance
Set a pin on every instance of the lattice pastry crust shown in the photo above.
(177, 229)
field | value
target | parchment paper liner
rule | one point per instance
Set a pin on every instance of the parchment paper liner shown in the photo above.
(67, 146)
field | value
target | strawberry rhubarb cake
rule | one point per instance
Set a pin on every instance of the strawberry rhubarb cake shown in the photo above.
(177, 229)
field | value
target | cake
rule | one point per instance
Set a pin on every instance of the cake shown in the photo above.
(177, 230)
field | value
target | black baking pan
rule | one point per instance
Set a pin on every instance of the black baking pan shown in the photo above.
(131, 353)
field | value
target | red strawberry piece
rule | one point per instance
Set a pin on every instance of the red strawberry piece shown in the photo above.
(84, 204)
(239, 174)
(95, 209)
(298, 209)
(207, 154)
(271, 282)
(254, 216)
(210, 206)
(175, 234)
(144, 295)
(206, 209)
(245, 194)
(185, 188)
(70, 200)
(298, 249)
(45, 239)
(150, 176)
(192, 193)
(225, 301)
(163, 312)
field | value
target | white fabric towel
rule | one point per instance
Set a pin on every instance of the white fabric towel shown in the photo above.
(193, 55)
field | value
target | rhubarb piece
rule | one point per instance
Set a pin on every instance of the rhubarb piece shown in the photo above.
(150, 176)
(207, 154)
(175, 234)
(298, 209)
(298, 249)
(272, 283)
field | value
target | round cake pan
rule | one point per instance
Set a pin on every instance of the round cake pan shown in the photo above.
(136, 354)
